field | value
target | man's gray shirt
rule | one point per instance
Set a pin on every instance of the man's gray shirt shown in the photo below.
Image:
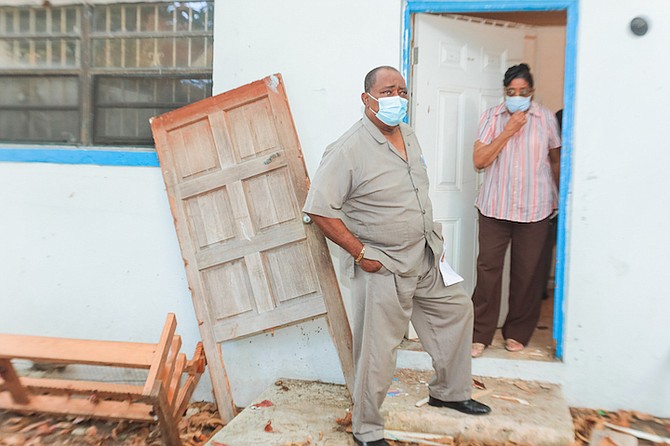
(381, 198)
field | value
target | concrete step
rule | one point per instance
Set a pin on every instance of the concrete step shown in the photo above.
(523, 412)
(305, 413)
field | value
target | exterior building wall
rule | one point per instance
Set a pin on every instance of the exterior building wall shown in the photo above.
(617, 353)
(90, 251)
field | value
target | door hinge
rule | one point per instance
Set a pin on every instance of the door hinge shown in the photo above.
(415, 55)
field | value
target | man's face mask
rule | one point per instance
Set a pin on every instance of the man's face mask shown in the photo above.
(392, 110)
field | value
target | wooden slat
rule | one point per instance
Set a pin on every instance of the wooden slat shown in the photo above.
(225, 330)
(172, 357)
(195, 367)
(184, 396)
(116, 410)
(175, 380)
(12, 383)
(77, 351)
(73, 387)
(198, 362)
(162, 410)
(234, 249)
(158, 362)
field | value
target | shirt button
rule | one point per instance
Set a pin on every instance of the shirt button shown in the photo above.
(423, 211)
(416, 189)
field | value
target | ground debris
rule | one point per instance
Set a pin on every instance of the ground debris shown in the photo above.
(202, 422)
(44, 429)
(588, 420)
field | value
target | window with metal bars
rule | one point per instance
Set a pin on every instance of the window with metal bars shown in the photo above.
(95, 74)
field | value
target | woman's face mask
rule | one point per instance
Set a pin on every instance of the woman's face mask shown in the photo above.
(392, 110)
(517, 103)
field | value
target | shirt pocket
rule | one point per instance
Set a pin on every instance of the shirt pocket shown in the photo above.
(389, 235)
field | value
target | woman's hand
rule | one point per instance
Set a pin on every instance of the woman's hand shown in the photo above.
(516, 121)
(484, 154)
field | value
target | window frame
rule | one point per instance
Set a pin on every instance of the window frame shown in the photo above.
(88, 75)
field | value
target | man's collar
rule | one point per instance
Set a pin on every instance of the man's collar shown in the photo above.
(378, 135)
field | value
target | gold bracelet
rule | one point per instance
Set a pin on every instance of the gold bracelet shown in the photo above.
(360, 255)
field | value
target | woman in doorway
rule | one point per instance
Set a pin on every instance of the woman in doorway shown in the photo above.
(517, 147)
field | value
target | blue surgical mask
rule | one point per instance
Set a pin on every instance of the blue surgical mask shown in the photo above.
(517, 103)
(392, 110)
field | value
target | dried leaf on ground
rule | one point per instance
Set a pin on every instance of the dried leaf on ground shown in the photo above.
(279, 383)
(622, 418)
(478, 384)
(521, 385)
(33, 426)
(264, 403)
(607, 442)
(307, 442)
(204, 419)
(345, 420)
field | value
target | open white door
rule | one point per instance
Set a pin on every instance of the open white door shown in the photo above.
(457, 74)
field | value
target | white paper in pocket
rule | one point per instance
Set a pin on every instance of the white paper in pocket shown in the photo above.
(449, 276)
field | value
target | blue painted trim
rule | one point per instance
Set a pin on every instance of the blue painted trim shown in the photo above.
(487, 5)
(79, 156)
(569, 89)
(571, 6)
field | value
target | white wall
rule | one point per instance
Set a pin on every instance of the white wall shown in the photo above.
(88, 251)
(91, 252)
(617, 346)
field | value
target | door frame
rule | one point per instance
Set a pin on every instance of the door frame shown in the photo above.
(411, 7)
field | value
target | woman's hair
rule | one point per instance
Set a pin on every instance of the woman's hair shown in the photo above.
(521, 71)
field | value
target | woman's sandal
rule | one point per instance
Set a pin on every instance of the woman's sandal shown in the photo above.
(512, 345)
(477, 349)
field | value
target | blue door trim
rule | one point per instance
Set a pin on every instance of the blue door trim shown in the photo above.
(571, 7)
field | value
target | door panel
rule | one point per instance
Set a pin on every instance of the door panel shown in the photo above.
(235, 179)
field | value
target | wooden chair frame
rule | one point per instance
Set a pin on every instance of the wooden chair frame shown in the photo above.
(163, 397)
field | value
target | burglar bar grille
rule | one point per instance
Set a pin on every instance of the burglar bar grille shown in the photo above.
(164, 47)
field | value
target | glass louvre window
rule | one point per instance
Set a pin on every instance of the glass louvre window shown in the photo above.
(40, 108)
(95, 74)
(124, 105)
(44, 107)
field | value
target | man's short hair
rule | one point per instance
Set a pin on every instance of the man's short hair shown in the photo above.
(371, 77)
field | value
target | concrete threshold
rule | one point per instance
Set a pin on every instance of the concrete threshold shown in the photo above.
(494, 366)
(306, 413)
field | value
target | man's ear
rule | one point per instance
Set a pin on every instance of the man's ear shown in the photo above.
(364, 97)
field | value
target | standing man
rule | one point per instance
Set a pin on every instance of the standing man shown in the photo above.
(370, 196)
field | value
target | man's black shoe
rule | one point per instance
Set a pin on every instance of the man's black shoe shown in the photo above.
(470, 407)
(381, 442)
